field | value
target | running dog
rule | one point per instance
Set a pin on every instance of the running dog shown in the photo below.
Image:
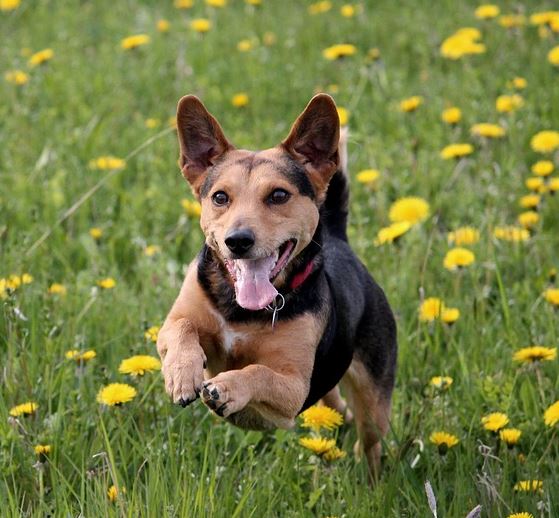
(277, 310)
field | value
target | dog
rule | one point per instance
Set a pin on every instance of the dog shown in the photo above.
(276, 311)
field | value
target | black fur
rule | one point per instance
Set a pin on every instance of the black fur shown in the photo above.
(359, 319)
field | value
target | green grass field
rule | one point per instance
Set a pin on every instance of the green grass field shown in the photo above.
(93, 98)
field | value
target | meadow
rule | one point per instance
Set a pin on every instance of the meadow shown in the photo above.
(97, 225)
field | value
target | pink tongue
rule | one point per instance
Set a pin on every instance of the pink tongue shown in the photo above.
(253, 287)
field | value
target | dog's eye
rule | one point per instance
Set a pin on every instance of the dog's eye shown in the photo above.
(220, 198)
(279, 196)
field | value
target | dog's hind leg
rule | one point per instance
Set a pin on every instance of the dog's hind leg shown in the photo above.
(371, 409)
(333, 399)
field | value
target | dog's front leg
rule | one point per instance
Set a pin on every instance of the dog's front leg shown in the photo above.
(183, 360)
(277, 396)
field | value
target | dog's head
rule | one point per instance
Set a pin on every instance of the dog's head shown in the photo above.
(260, 209)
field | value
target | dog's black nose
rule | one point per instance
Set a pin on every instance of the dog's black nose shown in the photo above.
(240, 241)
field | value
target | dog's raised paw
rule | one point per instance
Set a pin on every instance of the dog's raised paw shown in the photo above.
(224, 395)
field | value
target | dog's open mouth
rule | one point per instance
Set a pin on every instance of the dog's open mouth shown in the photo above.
(253, 277)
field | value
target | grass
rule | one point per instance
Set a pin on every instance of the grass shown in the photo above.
(93, 98)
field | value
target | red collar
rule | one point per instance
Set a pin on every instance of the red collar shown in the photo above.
(301, 277)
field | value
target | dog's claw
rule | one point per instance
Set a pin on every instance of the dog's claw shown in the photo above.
(215, 394)
(185, 402)
(220, 411)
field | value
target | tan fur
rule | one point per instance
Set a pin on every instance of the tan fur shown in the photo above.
(371, 412)
(269, 371)
(248, 178)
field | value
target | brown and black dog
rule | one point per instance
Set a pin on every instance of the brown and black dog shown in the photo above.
(277, 310)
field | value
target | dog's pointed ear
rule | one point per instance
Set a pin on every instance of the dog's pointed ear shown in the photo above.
(201, 140)
(313, 141)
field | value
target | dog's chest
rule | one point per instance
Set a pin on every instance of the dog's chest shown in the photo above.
(230, 339)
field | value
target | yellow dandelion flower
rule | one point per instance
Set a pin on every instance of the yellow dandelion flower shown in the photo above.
(26, 278)
(240, 100)
(411, 104)
(451, 115)
(151, 250)
(80, 356)
(441, 382)
(456, 151)
(13, 282)
(553, 56)
(510, 436)
(216, 3)
(42, 449)
(139, 365)
(152, 123)
(16, 77)
(40, 57)
(530, 201)
(551, 415)
(57, 289)
(535, 183)
(317, 417)
(535, 486)
(495, 421)
(373, 54)
(529, 219)
(320, 7)
(318, 445)
(458, 258)
(368, 176)
(184, 4)
(192, 208)
(112, 493)
(246, 45)
(96, 232)
(339, 51)
(107, 162)
(135, 41)
(116, 394)
(510, 233)
(463, 236)
(450, 315)
(444, 441)
(151, 333)
(9, 5)
(343, 115)
(553, 185)
(511, 21)
(520, 515)
(508, 103)
(253, 2)
(348, 10)
(487, 130)
(24, 409)
(535, 353)
(487, 11)
(392, 233)
(430, 309)
(545, 141)
(519, 83)
(333, 454)
(411, 209)
(543, 17)
(200, 25)
(552, 296)
(163, 25)
(107, 284)
(542, 168)
(463, 42)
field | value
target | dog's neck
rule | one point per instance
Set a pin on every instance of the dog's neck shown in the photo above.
(302, 274)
